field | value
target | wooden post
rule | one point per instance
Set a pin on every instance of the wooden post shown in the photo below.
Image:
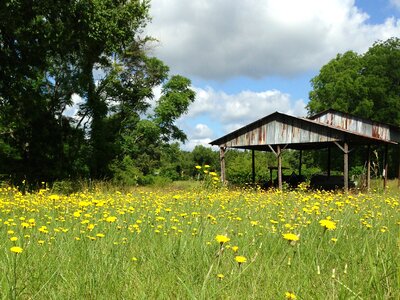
(385, 168)
(346, 166)
(278, 153)
(369, 168)
(300, 161)
(222, 161)
(398, 174)
(329, 161)
(253, 167)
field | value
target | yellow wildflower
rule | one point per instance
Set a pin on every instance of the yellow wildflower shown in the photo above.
(16, 249)
(291, 237)
(328, 224)
(290, 296)
(240, 259)
(222, 239)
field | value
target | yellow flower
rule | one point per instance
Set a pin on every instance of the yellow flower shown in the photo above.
(25, 225)
(291, 237)
(100, 235)
(328, 224)
(16, 249)
(222, 239)
(240, 259)
(290, 296)
(235, 248)
(54, 197)
(198, 167)
(206, 166)
(220, 276)
(111, 219)
(13, 239)
(134, 259)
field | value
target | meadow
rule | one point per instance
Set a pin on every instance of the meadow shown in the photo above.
(202, 242)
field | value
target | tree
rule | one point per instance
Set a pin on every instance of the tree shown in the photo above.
(365, 85)
(50, 50)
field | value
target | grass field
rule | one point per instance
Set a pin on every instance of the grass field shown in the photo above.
(200, 243)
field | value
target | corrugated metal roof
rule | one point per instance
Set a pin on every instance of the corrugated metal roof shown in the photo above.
(303, 133)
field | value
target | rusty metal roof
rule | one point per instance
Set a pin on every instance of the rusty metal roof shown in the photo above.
(304, 133)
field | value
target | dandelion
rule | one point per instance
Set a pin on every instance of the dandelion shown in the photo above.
(16, 249)
(220, 276)
(198, 167)
(25, 225)
(240, 259)
(134, 258)
(222, 239)
(13, 239)
(291, 237)
(328, 224)
(111, 219)
(290, 296)
(235, 249)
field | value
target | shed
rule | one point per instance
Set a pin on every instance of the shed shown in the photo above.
(279, 131)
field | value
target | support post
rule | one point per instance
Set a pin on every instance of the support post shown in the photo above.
(385, 168)
(278, 152)
(369, 168)
(253, 168)
(222, 161)
(398, 175)
(300, 161)
(329, 161)
(346, 166)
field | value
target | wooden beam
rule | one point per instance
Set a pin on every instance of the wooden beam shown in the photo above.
(300, 161)
(222, 162)
(272, 150)
(278, 151)
(329, 161)
(369, 168)
(385, 168)
(398, 174)
(346, 166)
(253, 167)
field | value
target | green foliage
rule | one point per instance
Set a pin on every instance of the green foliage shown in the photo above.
(365, 85)
(125, 171)
(51, 50)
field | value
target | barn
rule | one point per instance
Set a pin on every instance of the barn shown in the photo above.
(331, 128)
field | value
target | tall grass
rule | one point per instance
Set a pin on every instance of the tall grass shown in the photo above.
(161, 244)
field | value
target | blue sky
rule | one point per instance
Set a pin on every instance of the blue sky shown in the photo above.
(249, 58)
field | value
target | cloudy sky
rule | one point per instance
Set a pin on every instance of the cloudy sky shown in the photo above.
(249, 58)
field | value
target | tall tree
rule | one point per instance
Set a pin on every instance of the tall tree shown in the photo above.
(51, 50)
(366, 85)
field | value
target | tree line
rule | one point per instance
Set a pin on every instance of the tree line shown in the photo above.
(53, 51)
(97, 50)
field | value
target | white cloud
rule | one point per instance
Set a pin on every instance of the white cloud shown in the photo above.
(395, 3)
(232, 111)
(243, 107)
(222, 39)
(202, 131)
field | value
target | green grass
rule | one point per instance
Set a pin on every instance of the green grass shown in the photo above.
(162, 245)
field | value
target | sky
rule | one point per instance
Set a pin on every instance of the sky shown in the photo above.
(249, 58)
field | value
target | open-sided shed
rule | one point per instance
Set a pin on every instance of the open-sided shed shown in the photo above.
(279, 131)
